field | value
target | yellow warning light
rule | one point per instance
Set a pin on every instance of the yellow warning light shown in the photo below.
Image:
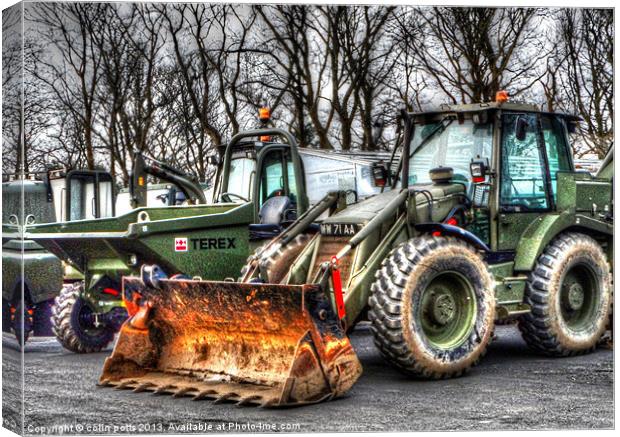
(501, 96)
(141, 181)
(264, 114)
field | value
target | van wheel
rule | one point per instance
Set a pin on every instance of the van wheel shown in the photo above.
(569, 292)
(432, 307)
(72, 323)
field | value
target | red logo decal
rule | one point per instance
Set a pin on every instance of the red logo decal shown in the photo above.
(180, 244)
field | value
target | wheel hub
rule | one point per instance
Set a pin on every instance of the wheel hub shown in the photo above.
(574, 296)
(443, 307)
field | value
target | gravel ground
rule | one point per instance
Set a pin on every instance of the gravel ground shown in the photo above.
(511, 389)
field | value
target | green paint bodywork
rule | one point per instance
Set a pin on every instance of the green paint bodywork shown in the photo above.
(581, 204)
(114, 247)
(511, 241)
(42, 273)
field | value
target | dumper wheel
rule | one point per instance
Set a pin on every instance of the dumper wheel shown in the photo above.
(248, 261)
(276, 262)
(22, 319)
(72, 323)
(569, 292)
(432, 307)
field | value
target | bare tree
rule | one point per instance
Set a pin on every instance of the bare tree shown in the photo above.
(67, 29)
(12, 88)
(330, 61)
(226, 56)
(175, 81)
(370, 56)
(129, 45)
(188, 25)
(587, 42)
(471, 53)
(299, 69)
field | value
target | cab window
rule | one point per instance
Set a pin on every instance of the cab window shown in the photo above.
(277, 166)
(523, 166)
(241, 177)
(448, 143)
(558, 153)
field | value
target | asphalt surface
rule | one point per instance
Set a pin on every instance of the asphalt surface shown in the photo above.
(512, 388)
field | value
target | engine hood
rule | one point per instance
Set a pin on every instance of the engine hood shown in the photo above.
(364, 211)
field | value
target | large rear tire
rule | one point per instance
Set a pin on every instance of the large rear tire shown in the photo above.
(70, 319)
(432, 307)
(569, 292)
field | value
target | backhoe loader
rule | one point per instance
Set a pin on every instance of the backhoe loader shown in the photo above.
(485, 220)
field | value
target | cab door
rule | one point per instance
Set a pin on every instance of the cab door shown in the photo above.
(277, 178)
(89, 195)
(525, 184)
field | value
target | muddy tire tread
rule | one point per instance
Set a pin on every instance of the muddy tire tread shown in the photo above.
(536, 327)
(61, 321)
(385, 302)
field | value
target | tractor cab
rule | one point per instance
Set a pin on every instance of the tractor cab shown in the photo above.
(508, 156)
(267, 173)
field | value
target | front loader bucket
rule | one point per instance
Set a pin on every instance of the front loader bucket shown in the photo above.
(270, 345)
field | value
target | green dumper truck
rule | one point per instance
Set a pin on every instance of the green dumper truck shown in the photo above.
(259, 189)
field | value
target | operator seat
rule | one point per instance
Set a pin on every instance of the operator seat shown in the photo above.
(273, 210)
(271, 215)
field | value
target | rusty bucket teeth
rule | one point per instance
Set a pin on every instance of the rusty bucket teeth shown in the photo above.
(143, 387)
(182, 392)
(204, 394)
(125, 384)
(249, 344)
(249, 400)
(225, 397)
(165, 389)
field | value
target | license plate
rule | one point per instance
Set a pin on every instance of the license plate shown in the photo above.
(340, 229)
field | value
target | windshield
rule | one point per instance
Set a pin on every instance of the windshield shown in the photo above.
(454, 145)
(240, 178)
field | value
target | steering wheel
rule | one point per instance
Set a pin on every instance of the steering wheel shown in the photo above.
(226, 197)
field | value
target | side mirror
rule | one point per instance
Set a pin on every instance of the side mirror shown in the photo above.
(478, 169)
(521, 128)
(214, 160)
(571, 126)
(379, 174)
